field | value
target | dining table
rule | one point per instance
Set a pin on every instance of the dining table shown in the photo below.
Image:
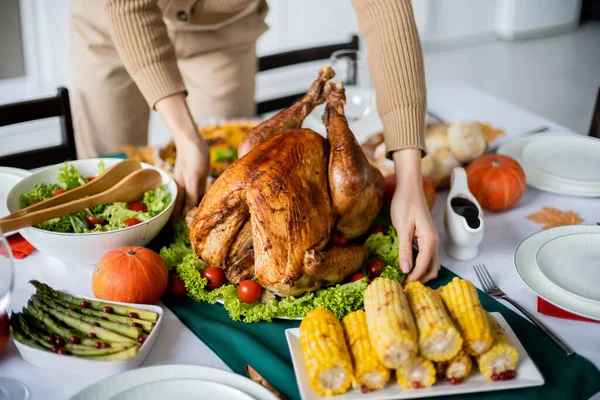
(504, 231)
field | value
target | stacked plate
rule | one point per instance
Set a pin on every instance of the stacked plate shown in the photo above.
(560, 163)
(562, 265)
(180, 382)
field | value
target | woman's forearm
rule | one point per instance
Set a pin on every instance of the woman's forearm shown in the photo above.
(176, 114)
(407, 163)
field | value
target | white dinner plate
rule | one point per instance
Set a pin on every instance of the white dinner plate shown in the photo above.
(117, 384)
(530, 274)
(527, 375)
(183, 389)
(571, 158)
(537, 179)
(9, 177)
(572, 263)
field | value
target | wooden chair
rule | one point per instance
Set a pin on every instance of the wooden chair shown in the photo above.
(288, 58)
(32, 110)
(595, 125)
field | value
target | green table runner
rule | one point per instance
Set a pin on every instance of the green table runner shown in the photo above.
(263, 345)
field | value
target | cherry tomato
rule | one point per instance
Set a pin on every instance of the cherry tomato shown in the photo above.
(249, 291)
(90, 178)
(376, 229)
(357, 276)
(214, 276)
(93, 221)
(132, 221)
(337, 237)
(59, 192)
(176, 287)
(374, 268)
(137, 206)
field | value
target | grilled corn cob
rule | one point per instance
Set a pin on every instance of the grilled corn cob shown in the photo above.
(499, 362)
(391, 326)
(325, 353)
(416, 373)
(369, 372)
(456, 369)
(460, 298)
(438, 338)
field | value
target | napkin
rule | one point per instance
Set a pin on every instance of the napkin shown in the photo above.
(550, 309)
(20, 247)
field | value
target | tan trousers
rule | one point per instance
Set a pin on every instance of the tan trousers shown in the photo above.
(218, 69)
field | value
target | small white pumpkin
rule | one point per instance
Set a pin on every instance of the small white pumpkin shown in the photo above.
(466, 141)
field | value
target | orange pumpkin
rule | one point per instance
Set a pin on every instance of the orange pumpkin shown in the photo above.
(429, 191)
(131, 275)
(497, 182)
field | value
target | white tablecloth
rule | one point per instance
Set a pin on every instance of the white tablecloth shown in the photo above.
(504, 231)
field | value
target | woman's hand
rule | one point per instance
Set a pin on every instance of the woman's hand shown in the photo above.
(192, 163)
(412, 219)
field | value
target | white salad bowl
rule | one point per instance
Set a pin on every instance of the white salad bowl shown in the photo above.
(84, 367)
(88, 248)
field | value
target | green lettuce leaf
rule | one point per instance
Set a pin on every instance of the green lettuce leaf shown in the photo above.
(385, 247)
(176, 251)
(40, 192)
(157, 200)
(70, 178)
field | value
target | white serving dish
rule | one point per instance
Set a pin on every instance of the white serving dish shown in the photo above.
(9, 177)
(88, 248)
(80, 366)
(527, 375)
(529, 272)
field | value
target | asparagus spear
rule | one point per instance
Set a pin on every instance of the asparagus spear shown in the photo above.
(125, 330)
(18, 335)
(38, 338)
(96, 305)
(75, 323)
(146, 325)
(57, 330)
(120, 356)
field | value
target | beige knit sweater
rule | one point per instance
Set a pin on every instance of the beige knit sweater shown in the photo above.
(139, 29)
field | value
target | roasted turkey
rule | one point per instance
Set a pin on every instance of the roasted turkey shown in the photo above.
(271, 214)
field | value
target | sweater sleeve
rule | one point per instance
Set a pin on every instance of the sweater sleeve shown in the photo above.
(142, 41)
(396, 62)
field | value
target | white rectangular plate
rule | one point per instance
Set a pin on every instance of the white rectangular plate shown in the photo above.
(82, 366)
(527, 375)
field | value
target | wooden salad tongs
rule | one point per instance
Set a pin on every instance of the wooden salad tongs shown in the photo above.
(124, 184)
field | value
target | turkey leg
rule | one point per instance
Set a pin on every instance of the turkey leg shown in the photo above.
(290, 118)
(356, 186)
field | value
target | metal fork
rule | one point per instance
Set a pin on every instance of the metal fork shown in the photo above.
(490, 287)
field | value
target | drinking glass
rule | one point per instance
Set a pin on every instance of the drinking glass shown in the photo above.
(10, 389)
(351, 67)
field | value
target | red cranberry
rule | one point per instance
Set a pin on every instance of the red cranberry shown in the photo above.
(105, 345)
(74, 339)
(95, 324)
(454, 381)
(63, 351)
(502, 376)
(364, 389)
(495, 377)
(133, 315)
(98, 345)
(107, 309)
(136, 325)
(416, 385)
(92, 335)
(73, 308)
(103, 318)
(84, 304)
(60, 342)
(142, 339)
(50, 339)
(55, 349)
(511, 374)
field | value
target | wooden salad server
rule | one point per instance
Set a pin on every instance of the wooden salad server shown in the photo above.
(131, 188)
(109, 178)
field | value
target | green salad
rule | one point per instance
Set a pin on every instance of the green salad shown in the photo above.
(101, 218)
(341, 299)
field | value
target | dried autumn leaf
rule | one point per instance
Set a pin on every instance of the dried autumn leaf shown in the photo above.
(551, 217)
(489, 132)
